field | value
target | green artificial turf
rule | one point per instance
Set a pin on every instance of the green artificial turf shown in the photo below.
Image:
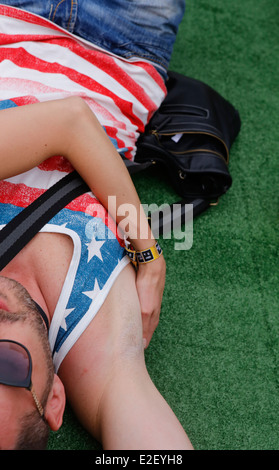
(215, 354)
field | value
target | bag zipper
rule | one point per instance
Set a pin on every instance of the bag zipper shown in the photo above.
(157, 134)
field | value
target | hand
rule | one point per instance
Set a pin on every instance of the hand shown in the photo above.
(150, 284)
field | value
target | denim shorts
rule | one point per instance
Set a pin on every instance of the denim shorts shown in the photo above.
(128, 28)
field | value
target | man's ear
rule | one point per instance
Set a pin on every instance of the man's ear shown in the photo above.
(55, 406)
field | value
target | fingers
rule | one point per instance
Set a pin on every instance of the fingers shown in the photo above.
(150, 282)
(150, 302)
(150, 323)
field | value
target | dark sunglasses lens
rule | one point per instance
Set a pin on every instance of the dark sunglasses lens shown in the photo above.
(14, 363)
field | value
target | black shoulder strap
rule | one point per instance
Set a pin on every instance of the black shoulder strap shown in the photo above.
(22, 228)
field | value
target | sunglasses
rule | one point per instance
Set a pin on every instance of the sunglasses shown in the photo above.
(16, 368)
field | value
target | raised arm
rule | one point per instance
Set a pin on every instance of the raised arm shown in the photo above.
(30, 134)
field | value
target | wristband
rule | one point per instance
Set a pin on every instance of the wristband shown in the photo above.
(144, 256)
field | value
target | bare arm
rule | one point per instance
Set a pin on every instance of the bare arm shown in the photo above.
(30, 134)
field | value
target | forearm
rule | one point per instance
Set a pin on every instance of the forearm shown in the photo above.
(97, 161)
(30, 134)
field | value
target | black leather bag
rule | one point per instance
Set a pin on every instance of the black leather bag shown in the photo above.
(190, 136)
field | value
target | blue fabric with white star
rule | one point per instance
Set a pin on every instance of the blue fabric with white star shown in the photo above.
(100, 253)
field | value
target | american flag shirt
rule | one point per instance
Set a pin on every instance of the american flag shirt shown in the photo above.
(39, 61)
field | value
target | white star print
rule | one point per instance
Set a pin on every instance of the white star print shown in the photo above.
(92, 294)
(63, 323)
(94, 248)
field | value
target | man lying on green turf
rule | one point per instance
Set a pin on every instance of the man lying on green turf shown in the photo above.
(75, 95)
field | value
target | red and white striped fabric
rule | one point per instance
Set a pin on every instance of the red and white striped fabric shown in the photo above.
(40, 61)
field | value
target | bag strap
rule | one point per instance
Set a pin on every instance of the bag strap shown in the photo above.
(22, 228)
(165, 221)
